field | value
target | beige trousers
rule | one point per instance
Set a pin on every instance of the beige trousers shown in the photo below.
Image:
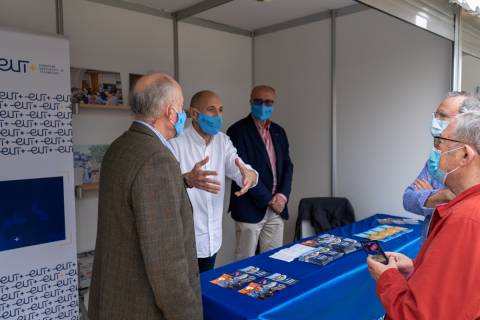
(268, 233)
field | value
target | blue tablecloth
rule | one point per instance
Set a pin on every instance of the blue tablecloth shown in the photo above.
(340, 290)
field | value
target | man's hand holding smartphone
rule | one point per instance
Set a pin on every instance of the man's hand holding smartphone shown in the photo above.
(378, 262)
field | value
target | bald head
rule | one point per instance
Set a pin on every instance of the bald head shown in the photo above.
(207, 102)
(153, 92)
(262, 90)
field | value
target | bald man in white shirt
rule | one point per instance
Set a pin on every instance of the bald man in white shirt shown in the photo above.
(206, 157)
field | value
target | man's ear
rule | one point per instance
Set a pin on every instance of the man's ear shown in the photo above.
(193, 113)
(469, 155)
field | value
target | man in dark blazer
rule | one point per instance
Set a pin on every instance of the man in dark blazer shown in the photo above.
(259, 214)
(145, 263)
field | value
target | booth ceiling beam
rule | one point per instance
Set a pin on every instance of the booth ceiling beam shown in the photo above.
(217, 26)
(309, 19)
(134, 7)
(198, 8)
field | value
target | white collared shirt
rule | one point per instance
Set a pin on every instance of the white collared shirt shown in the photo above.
(191, 148)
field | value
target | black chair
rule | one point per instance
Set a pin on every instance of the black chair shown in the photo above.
(323, 214)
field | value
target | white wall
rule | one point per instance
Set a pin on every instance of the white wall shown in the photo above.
(470, 73)
(111, 39)
(296, 62)
(28, 15)
(391, 77)
(221, 62)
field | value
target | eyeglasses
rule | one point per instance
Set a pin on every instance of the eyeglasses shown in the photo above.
(266, 102)
(437, 140)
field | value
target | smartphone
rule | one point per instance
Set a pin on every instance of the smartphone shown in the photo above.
(373, 249)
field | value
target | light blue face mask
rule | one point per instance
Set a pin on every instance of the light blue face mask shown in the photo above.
(210, 124)
(261, 112)
(180, 124)
(433, 165)
(438, 126)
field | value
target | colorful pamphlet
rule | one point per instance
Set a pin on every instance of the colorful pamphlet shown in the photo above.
(261, 284)
(340, 244)
(384, 232)
(234, 280)
(256, 271)
(398, 221)
(282, 278)
(317, 256)
(263, 290)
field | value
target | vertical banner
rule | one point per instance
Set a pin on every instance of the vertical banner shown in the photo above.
(38, 268)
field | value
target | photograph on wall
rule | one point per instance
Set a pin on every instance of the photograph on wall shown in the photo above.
(96, 87)
(87, 159)
(32, 212)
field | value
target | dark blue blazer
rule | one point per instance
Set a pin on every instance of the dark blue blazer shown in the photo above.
(252, 206)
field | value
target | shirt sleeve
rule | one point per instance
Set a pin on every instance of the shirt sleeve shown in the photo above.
(414, 200)
(445, 284)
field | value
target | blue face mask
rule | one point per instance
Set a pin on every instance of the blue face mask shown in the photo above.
(209, 124)
(180, 124)
(433, 165)
(438, 126)
(261, 112)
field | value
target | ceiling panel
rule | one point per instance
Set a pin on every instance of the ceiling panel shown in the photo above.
(165, 5)
(252, 14)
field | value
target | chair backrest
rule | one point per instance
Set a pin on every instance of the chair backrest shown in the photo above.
(322, 214)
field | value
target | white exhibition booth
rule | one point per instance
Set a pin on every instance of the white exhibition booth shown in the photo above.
(356, 82)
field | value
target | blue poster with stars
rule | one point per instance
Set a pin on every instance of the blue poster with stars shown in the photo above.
(31, 212)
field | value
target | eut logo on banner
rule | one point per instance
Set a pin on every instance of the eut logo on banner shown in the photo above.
(16, 65)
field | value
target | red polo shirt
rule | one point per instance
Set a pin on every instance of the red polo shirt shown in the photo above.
(445, 282)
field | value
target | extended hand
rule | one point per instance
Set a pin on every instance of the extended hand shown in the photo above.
(278, 204)
(249, 178)
(377, 268)
(198, 178)
(422, 184)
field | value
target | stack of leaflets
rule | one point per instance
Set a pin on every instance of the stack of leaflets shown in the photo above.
(328, 248)
(234, 280)
(398, 221)
(268, 286)
(384, 232)
(341, 244)
(265, 285)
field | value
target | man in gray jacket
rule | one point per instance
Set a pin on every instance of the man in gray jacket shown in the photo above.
(145, 263)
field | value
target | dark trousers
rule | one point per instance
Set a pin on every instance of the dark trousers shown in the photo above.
(205, 264)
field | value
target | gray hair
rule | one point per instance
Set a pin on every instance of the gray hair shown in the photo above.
(470, 103)
(150, 100)
(467, 129)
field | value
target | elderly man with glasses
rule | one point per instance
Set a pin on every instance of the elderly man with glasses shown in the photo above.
(425, 193)
(259, 214)
(443, 280)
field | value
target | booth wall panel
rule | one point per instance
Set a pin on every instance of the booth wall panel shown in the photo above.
(470, 73)
(391, 77)
(221, 62)
(34, 16)
(111, 39)
(296, 62)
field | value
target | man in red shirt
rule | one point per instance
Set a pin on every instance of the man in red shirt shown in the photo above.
(443, 282)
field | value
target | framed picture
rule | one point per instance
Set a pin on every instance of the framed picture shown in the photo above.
(87, 160)
(95, 87)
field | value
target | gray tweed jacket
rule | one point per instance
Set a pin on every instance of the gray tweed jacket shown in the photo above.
(145, 263)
